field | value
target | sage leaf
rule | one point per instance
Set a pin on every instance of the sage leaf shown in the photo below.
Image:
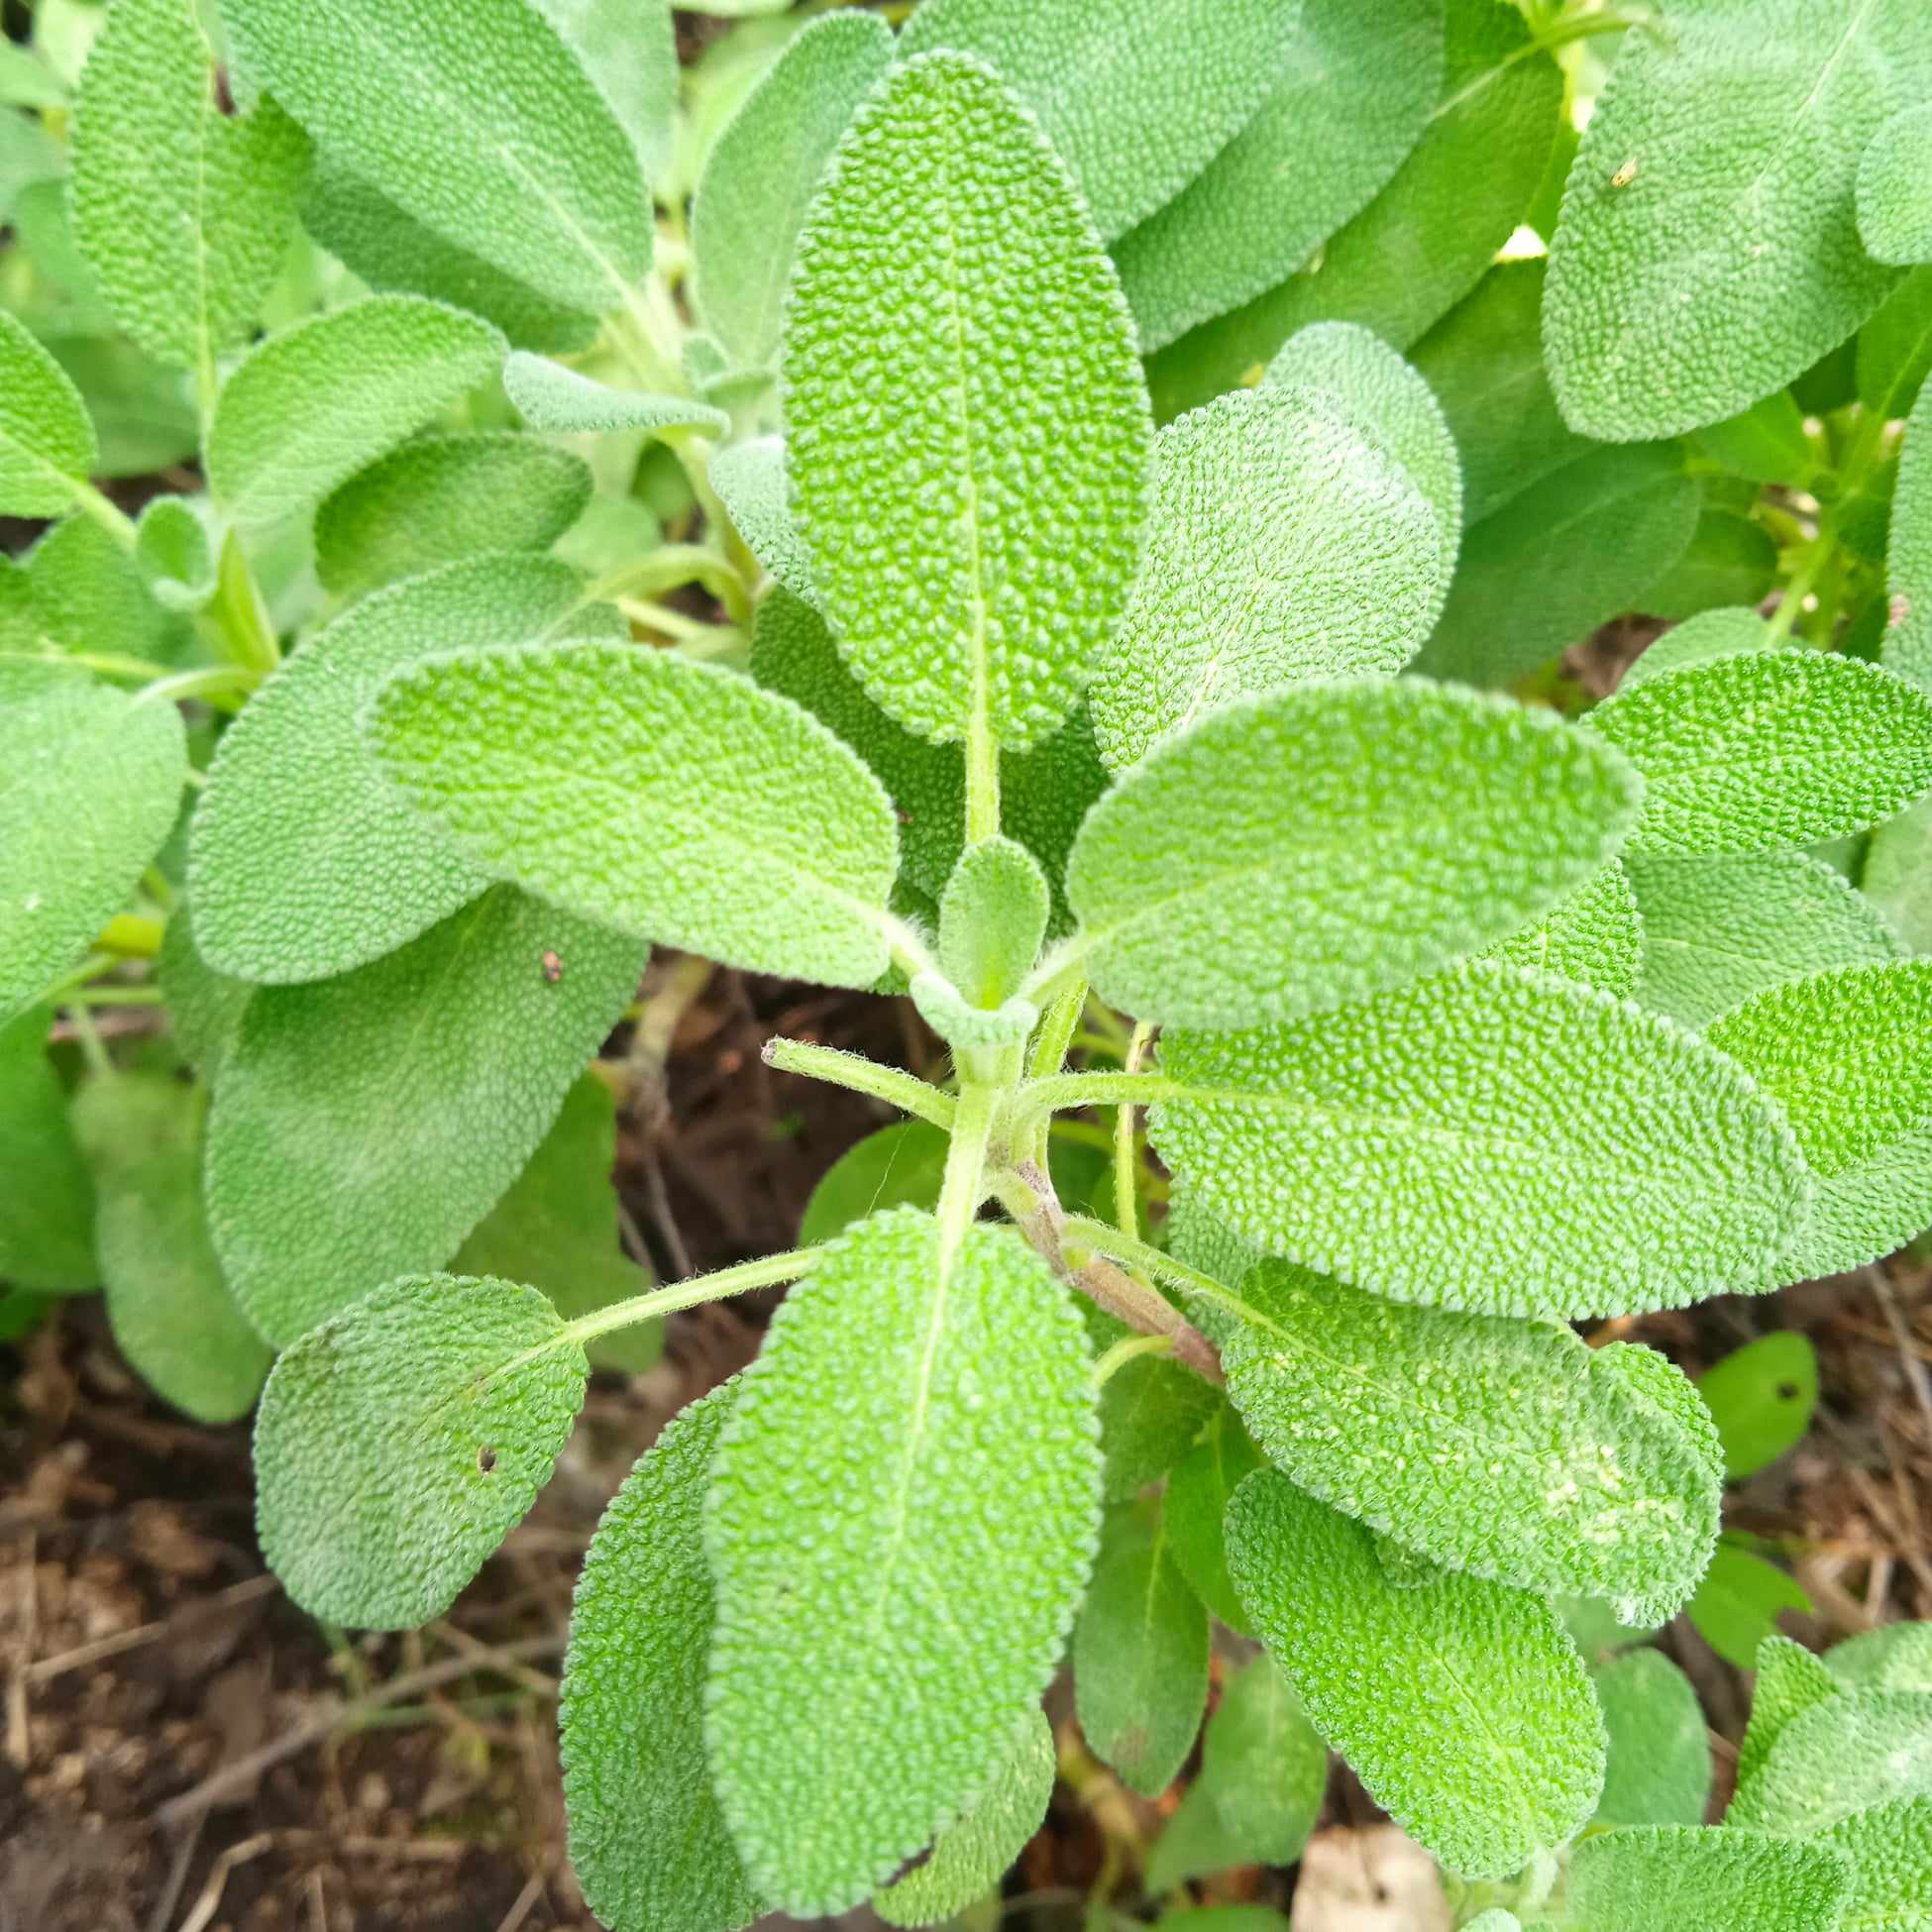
(1761, 1397)
(1703, 1879)
(992, 917)
(1424, 823)
(1730, 559)
(1140, 1657)
(1895, 348)
(750, 479)
(1727, 631)
(441, 499)
(709, 814)
(647, 1839)
(1894, 1657)
(476, 119)
(47, 1243)
(901, 1165)
(1790, 1680)
(762, 170)
(967, 1860)
(547, 395)
(1658, 1770)
(174, 553)
(1738, 1604)
(1350, 100)
(302, 862)
(309, 407)
(1139, 95)
(183, 213)
(90, 789)
(630, 51)
(1576, 1155)
(1717, 932)
(47, 442)
(1264, 1765)
(832, 1647)
(1707, 254)
(401, 1441)
(86, 585)
(1845, 1056)
(1892, 178)
(1462, 1705)
(364, 1125)
(1506, 1449)
(1907, 646)
(1889, 1850)
(1151, 1409)
(170, 1311)
(1596, 935)
(1198, 1488)
(204, 1007)
(1285, 542)
(949, 256)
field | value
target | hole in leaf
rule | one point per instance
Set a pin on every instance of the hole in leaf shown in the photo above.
(1787, 1391)
(486, 1458)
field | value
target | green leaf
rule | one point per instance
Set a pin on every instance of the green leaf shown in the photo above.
(763, 170)
(1790, 1680)
(556, 1229)
(967, 1860)
(363, 1126)
(1285, 542)
(992, 917)
(1707, 252)
(750, 481)
(47, 1233)
(948, 256)
(1894, 222)
(1847, 1057)
(1432, 233)
(1198, 1490)
(631, 50)
(303, 863)
(442, 500)
(1495, 1919)
(1264, 1765)
(890, 1606)
(183, 212)
(1895, 1656)
(1462, 1705)
(174, 552)
(1703, 1879)
(1495, 1140)
(547, 395)
(1908, 562)
(170, 1309)
(901, 1165)
(1890, 1848)
(395, 253)
(1769, 750)
(1730, 561)
(87, 586)
(1659, 1767)
(309, 407)
(1895, 348)
(476, 117)
(143, 414)
(1352, 98)
(647, 1838)
(47, 443)
(1898, 875)
(1483, 362)
(1596, 935)
(1140, 1655)
(1739, 1602)
(1761, 1397)
(90, 788)
(1502, 1447)
(702, 813)
(1859, 1748)
(1730, 631)
(1150, 1410)
(1424, 823)
(204, 1007)
(1139, 95)
(1557, 559)
(1193, 1842)
(1764, 444)
(1716, 932)
(400, 1441)
(26, 79)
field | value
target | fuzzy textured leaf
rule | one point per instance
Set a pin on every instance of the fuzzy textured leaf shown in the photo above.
(751, 481)
(1895, 223)
(702, 813)
(364, 1125)
(1462, 1705)
(1659, 1767)
(1889, 1850)
(1894, 1657)
(47, 442)
(174, 552)
(1761, 1397)
(1898, 875)
(1838, 1756)
(1264, 1765)
(951, 315)
(890, 1605)
(1198, 1488)
(991, 916)
(1495, 1140)
(400, 1441)
(46, 1232)
(901, 1165)
(1908, 560)
(1596, 935)
(1790, 1680)
(1703, 1879)
(1424, 823)
(549, 396)
(1739, 1602)
(1286, 541)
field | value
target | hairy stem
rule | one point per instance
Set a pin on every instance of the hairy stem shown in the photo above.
(1127, 1164)
(765, 1272)
(905, 1091)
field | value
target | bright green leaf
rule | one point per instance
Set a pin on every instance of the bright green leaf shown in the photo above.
(1702, 1879)
(1894, 222)
(647, 1839)
(892, 1602)
(1462, 1705)
(1890, 1848)
(1659, 1767)
(1731, 630)
(1897, 876)
(204, 1007)
(992, 917)
(46, 1232)
(1495, 1140)
(1859, 1748)
(1193, 1842)
(144, 415)
(549, 396)
(629, 48)
(1908, 562)
(901, 1165)
(1730, 559)
(363, 1126)
(751, 482)
(1761, 1397)
(1764, 444)
(89, 590)
(1596, 935)
(442, 500)
(400, 1441)
(702, 813)
(1895, 348)
(1286, 541)
(1198, 1488)
(1894, 1657)
(1790, 1680)
(1424, 823)
(170, 1309)
(47, 443)
(1264, 1765)
(949, 258)
(309, 407)
(174, 552)
(1151, 1409)
(1738, 1604)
